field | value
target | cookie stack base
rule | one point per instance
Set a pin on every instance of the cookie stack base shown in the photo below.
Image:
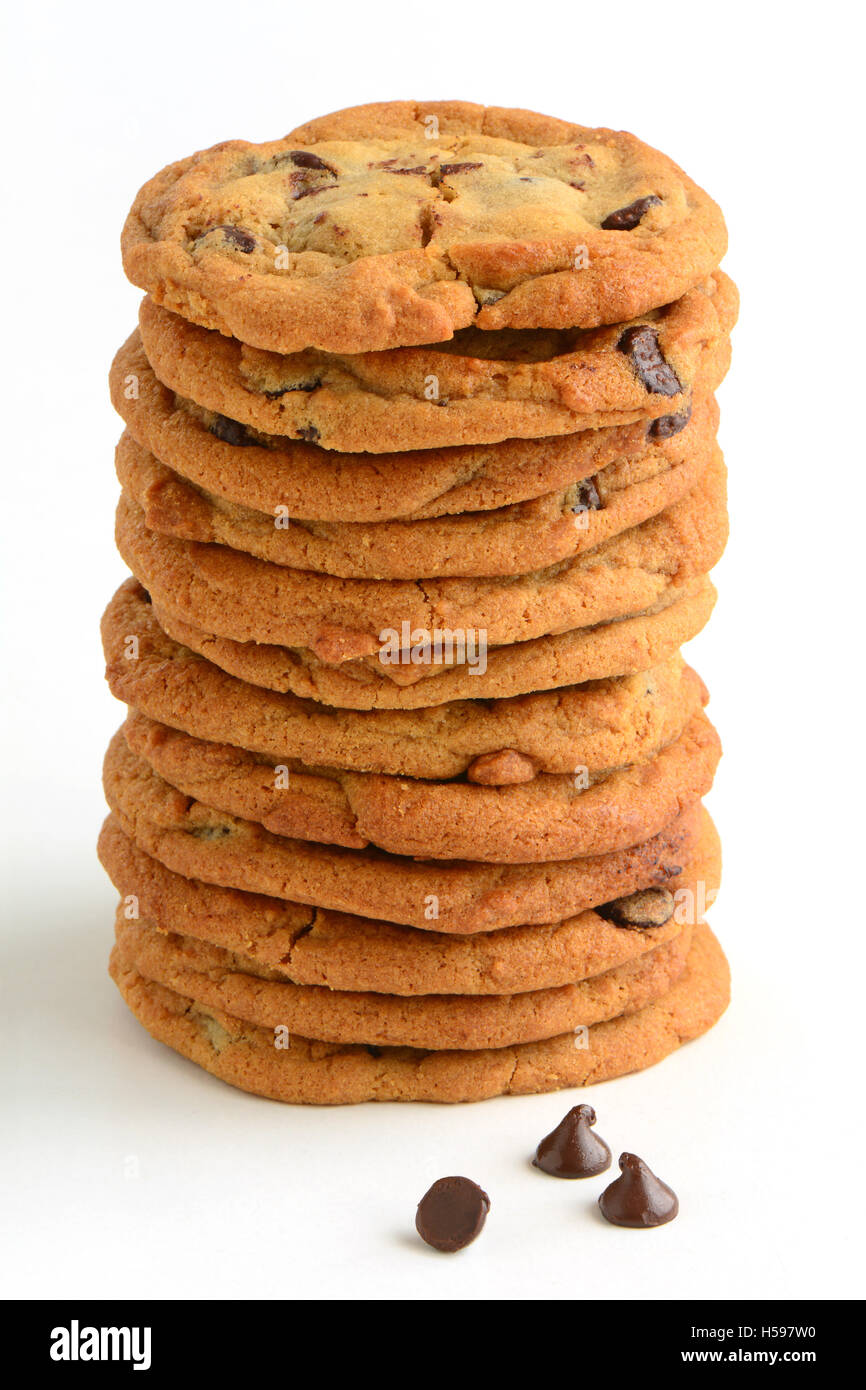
(315, 1073)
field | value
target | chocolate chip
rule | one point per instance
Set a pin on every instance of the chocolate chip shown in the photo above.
(309, 434)
(666, 425)
(312, 385)
(418, 169)
(451, 1214)
(230, 431)
(572, 1150)
(236, 236)
(446, 169)
(587, 499)
(651, 907)
(304, 192)
(625, 218)
(304, 159)
(637, 1198)
(641, 345)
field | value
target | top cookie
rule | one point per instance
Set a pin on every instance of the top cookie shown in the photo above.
(397, 223)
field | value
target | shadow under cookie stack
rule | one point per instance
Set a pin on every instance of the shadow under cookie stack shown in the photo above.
(421, 491)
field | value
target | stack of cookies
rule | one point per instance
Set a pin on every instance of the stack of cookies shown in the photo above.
(420, 494)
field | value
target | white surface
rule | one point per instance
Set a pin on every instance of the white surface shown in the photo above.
(759, 1126)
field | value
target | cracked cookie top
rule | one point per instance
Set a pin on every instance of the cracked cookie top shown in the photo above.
(398, 223)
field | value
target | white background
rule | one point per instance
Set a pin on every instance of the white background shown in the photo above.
(759, 1126)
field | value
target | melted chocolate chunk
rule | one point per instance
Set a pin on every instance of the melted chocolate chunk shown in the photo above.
(451, 1214)
(236, 236)
(303, 159)
(296, 386)
(305, 192)
(446, 169)
(637, 1198)
(309, 434)
(417, 169)
(230, 431)
(625, 218)
(651, 907)
(666, 425)
(641, 345)
(572, 1150)
(588, 499)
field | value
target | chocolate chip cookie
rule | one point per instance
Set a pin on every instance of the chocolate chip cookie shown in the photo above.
(314, 946)
(269, 472)
(548, 818)
(402, 222)
(200, 842)
(620, 647)
(305, 1072)
(479, 388)
(246, 599)
(597, 726)
(512, 540)
(217, 978)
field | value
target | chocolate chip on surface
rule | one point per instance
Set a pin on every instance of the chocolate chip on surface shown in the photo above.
(625, 218)
(446, 169)
(308, 386)
(309, 434)
(305, 192)
(641, 345)
(451, 1214)
(587, 498)
(236, 236)
(572, 1150)
(666, 425)
(637, 1198)
(650, 907)
(305, 159)
(230, 431)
